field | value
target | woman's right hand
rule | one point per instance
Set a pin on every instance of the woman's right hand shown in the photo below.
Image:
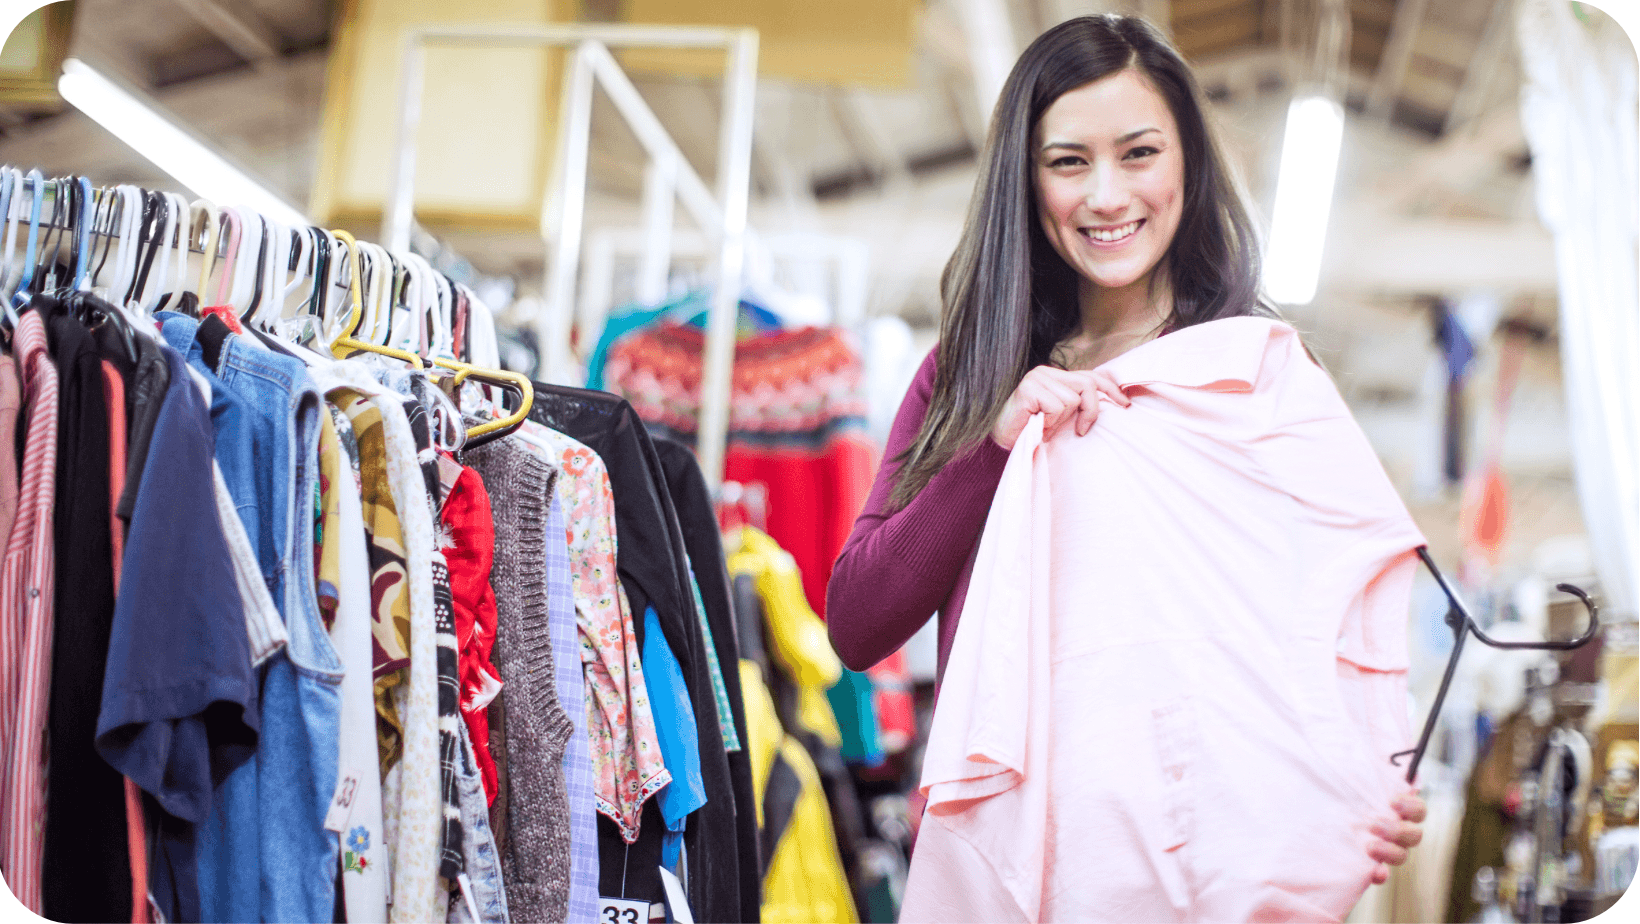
(1063, 396)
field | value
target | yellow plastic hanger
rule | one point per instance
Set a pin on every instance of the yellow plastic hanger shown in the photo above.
(464, 371)
(499, 377)
(345, 343)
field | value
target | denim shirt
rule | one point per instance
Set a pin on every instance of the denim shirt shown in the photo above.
(264, 853)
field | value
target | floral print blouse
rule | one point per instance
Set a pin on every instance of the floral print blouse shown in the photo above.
(626, 754)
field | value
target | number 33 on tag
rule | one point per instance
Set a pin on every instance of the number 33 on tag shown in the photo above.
(621, 911)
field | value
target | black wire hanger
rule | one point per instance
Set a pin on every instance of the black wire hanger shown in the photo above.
(1461, 623)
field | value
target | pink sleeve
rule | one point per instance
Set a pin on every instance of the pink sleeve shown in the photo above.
(898, 567)
(1363, 560)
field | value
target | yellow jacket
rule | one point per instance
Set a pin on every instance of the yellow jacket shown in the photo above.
(804, 881)
(797, 636)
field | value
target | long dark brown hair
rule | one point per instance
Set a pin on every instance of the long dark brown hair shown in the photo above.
(1009, 299)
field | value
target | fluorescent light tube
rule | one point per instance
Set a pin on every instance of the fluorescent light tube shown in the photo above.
(189, 161)
(1304, 192)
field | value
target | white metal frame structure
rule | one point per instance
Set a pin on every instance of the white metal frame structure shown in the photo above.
(720, 215)
(842, 264)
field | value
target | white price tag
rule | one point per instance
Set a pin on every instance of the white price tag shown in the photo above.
(622, 911)
(467, 896)
(341, 804)
(675, 898)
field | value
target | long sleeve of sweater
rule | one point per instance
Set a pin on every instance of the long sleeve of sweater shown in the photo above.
(899, 566)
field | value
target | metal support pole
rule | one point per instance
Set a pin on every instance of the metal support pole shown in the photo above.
(734, 182)
(401, 191)
(992, 49)
(552, 325)
(660, 184)
(722, 217)
(597, 281)
(706, 209)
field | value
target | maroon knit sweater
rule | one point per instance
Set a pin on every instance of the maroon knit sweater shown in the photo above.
(897, 568)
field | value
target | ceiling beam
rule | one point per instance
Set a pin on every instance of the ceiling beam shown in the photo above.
(1482, 73)
(1158, 13)
(991, 45)
(1392, 66)
(241, 31)
(865, 132)
(1411, 255)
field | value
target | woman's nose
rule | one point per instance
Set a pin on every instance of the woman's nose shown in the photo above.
(1106, 193)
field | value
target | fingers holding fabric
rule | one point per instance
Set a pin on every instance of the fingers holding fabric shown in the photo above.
(1063, 397)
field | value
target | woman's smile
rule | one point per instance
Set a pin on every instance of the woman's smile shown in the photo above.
(1107, 237)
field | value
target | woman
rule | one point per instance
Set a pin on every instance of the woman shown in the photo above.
(1104, 217)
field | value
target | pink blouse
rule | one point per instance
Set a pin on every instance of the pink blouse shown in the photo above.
(1182, 668)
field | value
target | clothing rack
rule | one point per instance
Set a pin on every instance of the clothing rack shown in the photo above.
(19, 208)
(720, 214)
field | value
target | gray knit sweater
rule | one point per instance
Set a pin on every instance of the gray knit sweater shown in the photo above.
(535, 858)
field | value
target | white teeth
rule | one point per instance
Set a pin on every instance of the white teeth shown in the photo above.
(1115, 235)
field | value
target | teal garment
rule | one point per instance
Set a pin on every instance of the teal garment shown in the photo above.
(856, 710)
(726, 715)
(633, 317)
(754, 319)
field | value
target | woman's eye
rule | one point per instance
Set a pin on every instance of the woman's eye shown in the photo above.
(1066, 161)
(1140, 152)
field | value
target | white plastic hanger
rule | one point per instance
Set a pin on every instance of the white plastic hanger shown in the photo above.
(335, 314)
(290, 280)
(379, 304)
(404, 323)
(124, 225)
(381, 326)
(228, 282)
(280, 243)
(184, 243)
(208, 247)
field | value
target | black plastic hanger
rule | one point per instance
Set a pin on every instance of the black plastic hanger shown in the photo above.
(109, 209)
(159, 208)
(1461, 623)
(46, 269)
(148, 211)
(261, 269)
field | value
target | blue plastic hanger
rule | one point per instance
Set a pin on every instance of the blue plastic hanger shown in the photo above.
(21, 297)
(82, 246)
(7, 186)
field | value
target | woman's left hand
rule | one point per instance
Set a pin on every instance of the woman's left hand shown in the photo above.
(1397, 837)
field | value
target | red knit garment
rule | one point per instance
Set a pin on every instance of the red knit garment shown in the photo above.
(470, 555)
(796, 424)
(814, 497)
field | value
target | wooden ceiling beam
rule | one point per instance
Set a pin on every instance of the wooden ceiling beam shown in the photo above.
(1392, 67)
(1481, 73)
(1217, 34)
(1188, 11)
(241, 31)
(1158, 13)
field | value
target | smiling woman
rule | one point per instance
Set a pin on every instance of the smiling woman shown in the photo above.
(1100, 125)
(1109, 196)
(1105, 220)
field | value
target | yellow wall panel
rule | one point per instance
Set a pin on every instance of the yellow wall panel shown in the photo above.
(855, 42)
(487, 134)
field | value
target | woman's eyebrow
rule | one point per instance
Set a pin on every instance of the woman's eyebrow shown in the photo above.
(1078, 146)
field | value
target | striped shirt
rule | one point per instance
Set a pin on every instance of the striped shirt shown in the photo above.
(26, 589)
(566, 654)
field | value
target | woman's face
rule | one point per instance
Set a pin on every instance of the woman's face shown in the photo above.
(1110, 179)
